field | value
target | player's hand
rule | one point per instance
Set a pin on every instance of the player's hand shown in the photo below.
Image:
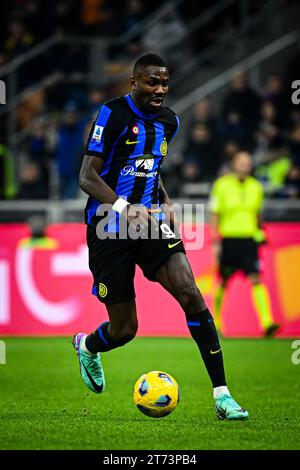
(140, 219)
(260, 237)
(171, 217)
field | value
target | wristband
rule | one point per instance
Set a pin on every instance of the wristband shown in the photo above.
(120, 205)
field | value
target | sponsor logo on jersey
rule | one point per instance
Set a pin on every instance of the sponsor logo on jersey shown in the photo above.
(145, 162)
(97, 134)
(130, 171)
(135, 129)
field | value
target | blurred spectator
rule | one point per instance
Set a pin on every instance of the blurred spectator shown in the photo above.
(202, 113)
(273, 173)
(292, 74)
(67, 16)
(131, 51)
(32, 106)
(96, 97)
(134, 13)
(69, 150)
(70, 60)
(39, 152)
(268, 135)
(293, 181)
(3, 59)
(19, 40)
(32, 182)
(201, 156)
(295, 144)
(38, 226)
(157, 38)
(293, 177)
(293, 66)
(241, 107)
(8, 187)
(38, 235)
(232, 128)
(33, 19)
(229, 149)
(99, 17)
(276, 94)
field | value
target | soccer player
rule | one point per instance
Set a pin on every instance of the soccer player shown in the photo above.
(236, 202)
(126, 147)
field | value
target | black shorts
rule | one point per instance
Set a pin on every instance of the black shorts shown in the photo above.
(112, 263)
(238, 254)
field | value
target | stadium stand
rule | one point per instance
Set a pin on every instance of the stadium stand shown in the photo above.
(61, 60)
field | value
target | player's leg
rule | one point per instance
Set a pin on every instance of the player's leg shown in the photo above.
(112, 264)
(260, 294)
(227, 267)
(119, 330)
(219, 300)
(176, 276)
(262, 304)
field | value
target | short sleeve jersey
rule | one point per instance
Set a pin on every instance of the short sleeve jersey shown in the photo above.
(133, 146)
(238, 204)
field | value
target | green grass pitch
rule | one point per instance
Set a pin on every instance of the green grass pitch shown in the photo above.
(45, 405)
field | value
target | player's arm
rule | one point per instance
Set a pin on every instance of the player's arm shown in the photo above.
(260, 236)
(215, 206)
(166, 201)
(105, 131)
(163, 195)
(92, 184)
(214, 225)
(215, 209)
(215, 235)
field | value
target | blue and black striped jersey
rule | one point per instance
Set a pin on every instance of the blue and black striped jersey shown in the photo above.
(133, 146)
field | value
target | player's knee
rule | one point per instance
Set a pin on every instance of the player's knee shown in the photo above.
(124, 334)
(191, 299)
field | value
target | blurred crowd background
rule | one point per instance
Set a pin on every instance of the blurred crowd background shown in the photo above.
(60, 60)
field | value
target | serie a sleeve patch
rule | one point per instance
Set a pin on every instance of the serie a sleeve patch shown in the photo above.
(97, 134)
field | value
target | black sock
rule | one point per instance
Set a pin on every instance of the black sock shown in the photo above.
(203, 331)
(99, 340)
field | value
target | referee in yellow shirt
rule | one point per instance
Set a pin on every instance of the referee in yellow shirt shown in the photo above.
(236, 202)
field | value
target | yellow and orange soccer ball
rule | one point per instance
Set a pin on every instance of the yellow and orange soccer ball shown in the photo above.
(156, 394)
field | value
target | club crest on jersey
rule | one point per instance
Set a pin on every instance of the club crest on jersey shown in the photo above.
(163, 148)
(102, 290)
(97, 134)
(135, 129)
(146, 162)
